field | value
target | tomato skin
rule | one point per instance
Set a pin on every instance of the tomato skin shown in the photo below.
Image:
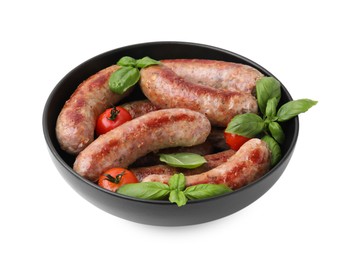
(124, 176)
(104, 122)
(235, 141)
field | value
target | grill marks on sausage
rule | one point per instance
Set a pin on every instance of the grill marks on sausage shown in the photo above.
(159, 121)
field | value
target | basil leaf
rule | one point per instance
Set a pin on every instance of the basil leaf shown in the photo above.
(271, 107)
(183, 160)
(274, 149)
(122, 79)
(178, 197)
(202, 191)
(293, 108)
(145, 62)
(177, 182)
(267, 88)
(127, 61)
(145, 190)
(248, 125)
(277, 132)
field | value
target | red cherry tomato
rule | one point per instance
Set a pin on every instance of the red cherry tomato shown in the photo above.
(111, 118)
(114, 178)
(235, 141)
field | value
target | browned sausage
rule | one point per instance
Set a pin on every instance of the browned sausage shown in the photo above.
(76, 122)
(166, 89)
(156, 130)
(249, 163)
(213, 160)
(232, 76)
(139, 107)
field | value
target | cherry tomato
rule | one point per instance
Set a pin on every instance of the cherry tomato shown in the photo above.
(111, 118)
(114, 178)
(235, 141)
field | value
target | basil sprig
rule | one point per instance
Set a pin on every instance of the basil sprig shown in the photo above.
(268, 93)
(183, 160)
(128, 75)
(175, 191)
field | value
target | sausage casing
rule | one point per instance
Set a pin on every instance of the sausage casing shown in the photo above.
(230, 76)
(139, 107)
(166, 89)
(156, 130)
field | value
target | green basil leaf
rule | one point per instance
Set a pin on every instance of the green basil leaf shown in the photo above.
(274, 148)
(183, 160)
(145, 190)
(267, 88)
(178, 197)
(177, 182)
(145, 62)
(122, 79)
(202, 191)
(248, 125)
(293, 108)
(271, 107)
(127, 61)
(277, 132)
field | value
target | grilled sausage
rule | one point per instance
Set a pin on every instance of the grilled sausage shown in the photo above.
(213, 160)
(156, 130)
(231, 76)
(139, 107)
(166, 89)
(249, 163)
(76, 122)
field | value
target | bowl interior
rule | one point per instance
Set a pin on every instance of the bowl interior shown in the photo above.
(156, 50)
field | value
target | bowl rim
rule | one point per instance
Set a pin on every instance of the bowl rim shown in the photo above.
(57, 156)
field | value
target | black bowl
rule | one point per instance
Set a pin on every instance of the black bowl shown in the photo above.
(161, 213)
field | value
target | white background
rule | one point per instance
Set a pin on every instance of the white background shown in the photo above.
(300, 42)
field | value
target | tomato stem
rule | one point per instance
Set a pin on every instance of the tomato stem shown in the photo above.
(115, 179)
(114, 113)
